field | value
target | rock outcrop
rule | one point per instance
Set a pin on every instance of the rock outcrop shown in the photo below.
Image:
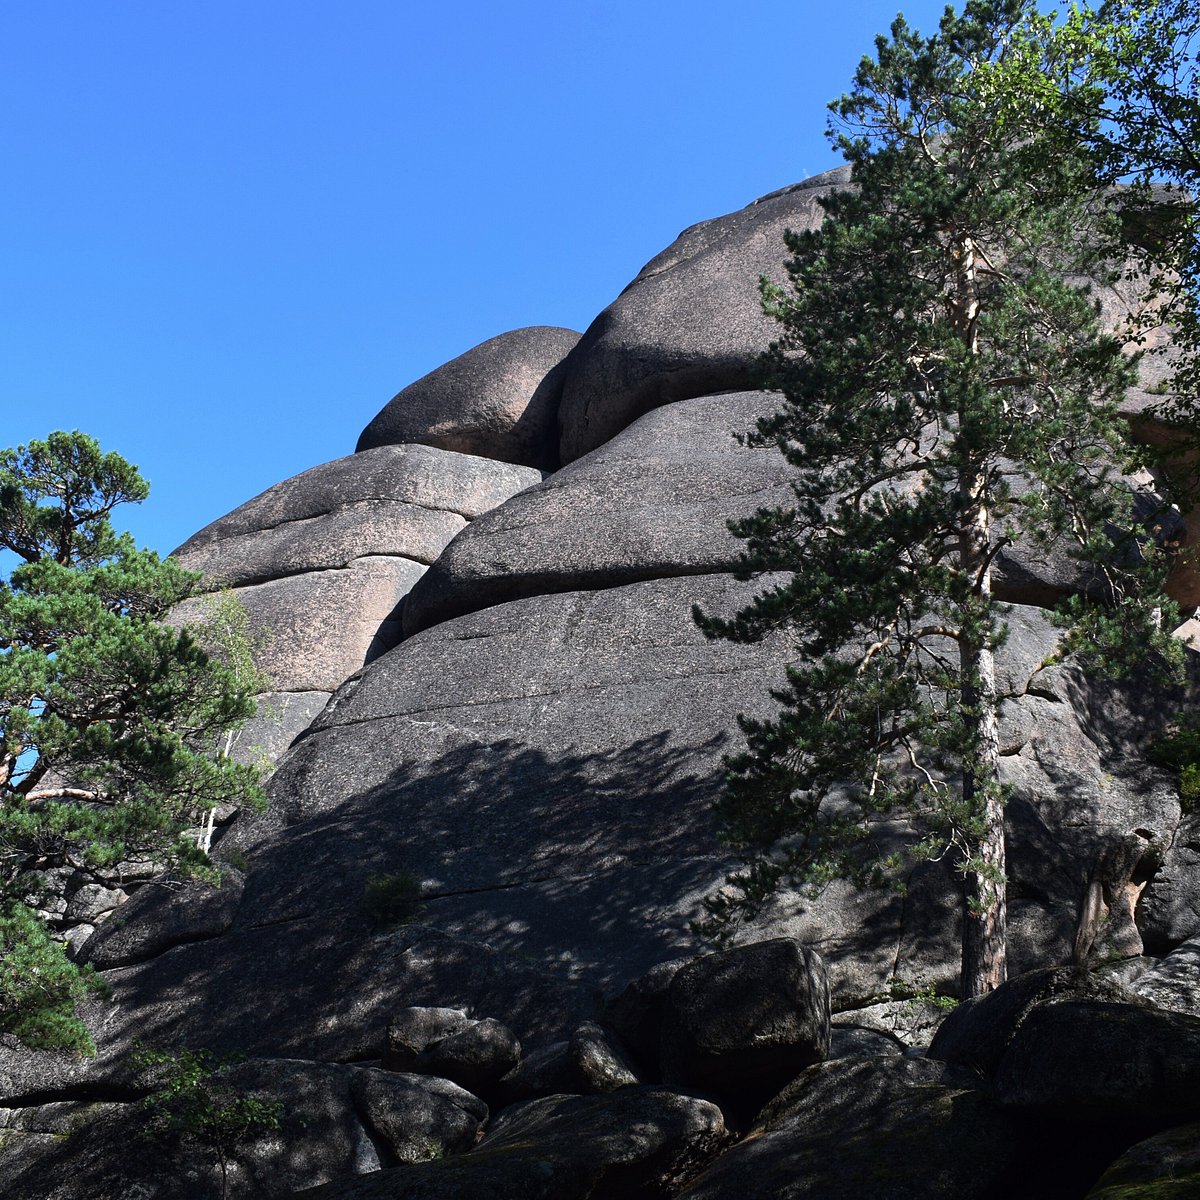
(499, 400)
(468, 910)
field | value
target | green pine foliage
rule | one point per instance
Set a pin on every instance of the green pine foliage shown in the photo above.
(39, 987)
(945, 388)
(112, 723)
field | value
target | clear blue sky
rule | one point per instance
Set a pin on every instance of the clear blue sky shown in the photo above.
(233, 230)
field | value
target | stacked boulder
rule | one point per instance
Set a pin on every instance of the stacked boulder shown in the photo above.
(497, 708)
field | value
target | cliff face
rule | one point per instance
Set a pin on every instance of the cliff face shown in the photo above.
(505, 737)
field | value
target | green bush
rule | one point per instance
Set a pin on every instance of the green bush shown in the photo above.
(392, 899)
(1179, 750)
(193, 1104)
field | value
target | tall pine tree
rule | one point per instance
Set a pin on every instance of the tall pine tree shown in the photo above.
(946, 388)
(112, 723)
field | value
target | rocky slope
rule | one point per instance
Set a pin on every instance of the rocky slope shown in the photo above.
(457, 946)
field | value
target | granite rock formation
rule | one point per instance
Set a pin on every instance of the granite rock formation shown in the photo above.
(499, 735)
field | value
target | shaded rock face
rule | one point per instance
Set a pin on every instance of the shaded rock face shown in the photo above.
(499, 400)
(1165, 1167)
(901, 1128)
(561, 1148)
(334, 1121)
(744, 1021)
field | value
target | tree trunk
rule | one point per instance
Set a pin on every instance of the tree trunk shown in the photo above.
(985, 936)
(984, 942)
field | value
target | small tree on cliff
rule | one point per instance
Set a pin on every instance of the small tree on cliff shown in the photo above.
(111, 722)
(946, 390)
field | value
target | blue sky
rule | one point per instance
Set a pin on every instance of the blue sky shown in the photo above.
(233, 230)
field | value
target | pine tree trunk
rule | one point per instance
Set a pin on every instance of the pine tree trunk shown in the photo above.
(984, 942)
(985, 935)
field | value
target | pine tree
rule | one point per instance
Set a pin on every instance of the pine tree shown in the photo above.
(111, 722)
(946, 388)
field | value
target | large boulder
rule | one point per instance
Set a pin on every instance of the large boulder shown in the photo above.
(499, 400)
(1164, 1167)
(904, 1129)
(652, 503)
(741, 1023)
(1124, 1066)
(631, 1143)
(690, 324)
(164, 914)
(978, 1032)
(333, 1120)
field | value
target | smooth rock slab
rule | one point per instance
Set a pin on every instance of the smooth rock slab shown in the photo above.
(313, 630)
(560, 1148)
(650, 504)
(498, 400)
(422, 476)
(281, 718)
(325, 543)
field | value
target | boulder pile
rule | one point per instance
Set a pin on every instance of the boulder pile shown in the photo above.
(457, 950)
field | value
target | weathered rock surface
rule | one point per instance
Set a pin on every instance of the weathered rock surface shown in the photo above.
(544, 770)
(560, 1148)
(1123, 1065)
(416, 1117)
(1165, 1167)
(977, 1032)
(322, 561)
(635, 1013)
(1168, 912)
(499, 400)
(313, 630)
(474, 1057)
(904, 1129)
(159, 916)
(282, 717)
(414, 1030)
(417, 476)
(650, 504)
(690, 324)
(321, 1136)
(742, 1022)
(1173, 982)
(589, 1063)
